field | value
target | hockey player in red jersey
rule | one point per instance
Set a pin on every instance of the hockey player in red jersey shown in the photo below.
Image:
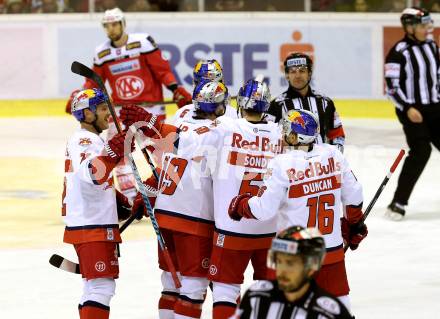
(90, 204)
(133, 66)
(184, 207)
(308, 186)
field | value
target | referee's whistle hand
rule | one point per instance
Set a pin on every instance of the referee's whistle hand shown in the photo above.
(414, 115)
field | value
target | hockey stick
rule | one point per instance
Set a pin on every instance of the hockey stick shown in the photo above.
(381, 187)
(70, 266)
(120, 104)
(83, 70)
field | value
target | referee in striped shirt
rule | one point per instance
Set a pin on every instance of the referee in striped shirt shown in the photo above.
(412, 83)
(298, 69)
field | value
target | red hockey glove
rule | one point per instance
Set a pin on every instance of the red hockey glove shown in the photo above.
(181, 97)
(115, 147)
(123, 206)
(69, 102)
(131, 114)
(239, 207)
(353, 234)
(139, 209)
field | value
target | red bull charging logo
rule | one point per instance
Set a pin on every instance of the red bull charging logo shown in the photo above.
(296, 118)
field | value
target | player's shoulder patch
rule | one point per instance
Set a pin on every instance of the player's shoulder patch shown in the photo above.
(103, 47)
(261, 285)
(103, 53)
(329, 305)
(151, 40)
(141, 41)
(133, 45)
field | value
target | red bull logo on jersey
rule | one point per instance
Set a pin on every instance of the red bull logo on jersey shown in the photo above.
(315, 169)
(258, 144)
(296, 118)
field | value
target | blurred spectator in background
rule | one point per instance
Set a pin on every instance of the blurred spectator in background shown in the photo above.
(189, 5)
(396, 6)
(435, 7)
(323, 5)
(78, 6)
(360, 6)
(139, 6)
(165, 5)
(224, 5)
(102, 5)
(16, 6)
(49, 6)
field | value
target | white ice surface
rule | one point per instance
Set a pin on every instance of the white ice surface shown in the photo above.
(394, 274)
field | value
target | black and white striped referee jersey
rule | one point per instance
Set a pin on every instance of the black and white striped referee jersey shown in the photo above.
(264, 300)
(331, 130)
(412, 74)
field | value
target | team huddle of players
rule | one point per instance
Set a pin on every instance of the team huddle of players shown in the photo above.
(234, 188)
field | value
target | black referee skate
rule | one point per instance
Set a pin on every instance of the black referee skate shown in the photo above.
(395, 211)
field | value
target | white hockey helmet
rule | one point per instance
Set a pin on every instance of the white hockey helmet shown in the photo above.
(208, 95)
(113, 15)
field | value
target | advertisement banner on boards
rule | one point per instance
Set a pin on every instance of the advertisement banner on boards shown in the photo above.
(342, 55)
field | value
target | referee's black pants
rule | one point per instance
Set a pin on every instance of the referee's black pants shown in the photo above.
(419, 138)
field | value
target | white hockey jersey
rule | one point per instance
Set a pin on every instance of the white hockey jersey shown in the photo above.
(89, 209)
(185, 202)
(187, 112)
(240, 153)
(309, 189)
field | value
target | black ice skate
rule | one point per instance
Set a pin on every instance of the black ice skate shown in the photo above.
(395, 211)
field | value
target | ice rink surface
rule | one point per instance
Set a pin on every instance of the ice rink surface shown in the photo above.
(394, 274)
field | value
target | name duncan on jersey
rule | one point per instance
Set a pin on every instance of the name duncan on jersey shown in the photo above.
(315, 169)
(259, 144)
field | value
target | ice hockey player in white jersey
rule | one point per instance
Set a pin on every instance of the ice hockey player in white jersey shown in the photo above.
(308, 186)
(184, 206)
(204, 70)
(237, 152)
(90, 204)
(296, 254)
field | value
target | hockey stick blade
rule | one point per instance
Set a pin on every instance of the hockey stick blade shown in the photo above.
(64, 264)
(83, 70)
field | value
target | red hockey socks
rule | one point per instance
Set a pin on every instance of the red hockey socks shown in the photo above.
(166, 305)
(188, 310)
(223, 310)
(94, 310)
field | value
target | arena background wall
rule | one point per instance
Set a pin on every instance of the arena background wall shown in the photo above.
(348, 52)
